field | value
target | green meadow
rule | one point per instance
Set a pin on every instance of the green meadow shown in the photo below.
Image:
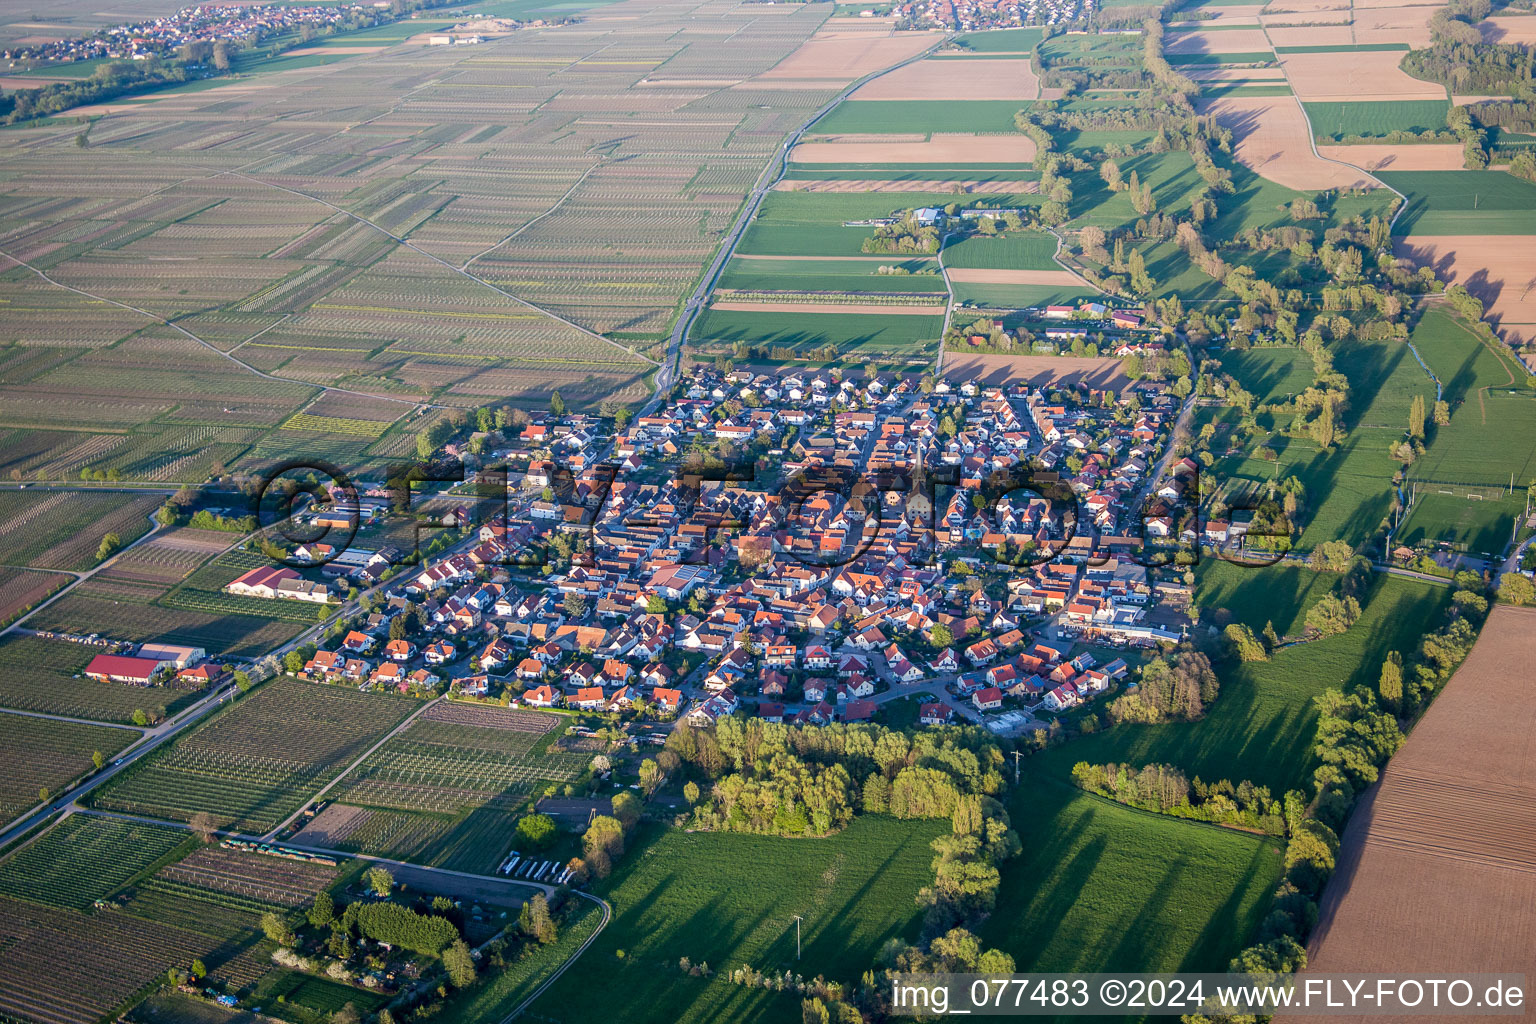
(730, 900)
(1464, 203)
(1103, 887)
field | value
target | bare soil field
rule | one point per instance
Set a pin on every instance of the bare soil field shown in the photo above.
(1273, 139)
(1438, 864)
(1231, 40)
(1290, 8)
(1499, 269)
(941, 149)
(840, 55)
(1447, 157)
(1509, 29)
(955, 80)
(927, 185)
(1394, 25)
(1368, 75)
(1429, 5)
(1103, 372)
(972, 275)
(1312, 35)
(818, 307)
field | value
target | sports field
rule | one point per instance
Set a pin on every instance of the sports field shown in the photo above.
(920, 116)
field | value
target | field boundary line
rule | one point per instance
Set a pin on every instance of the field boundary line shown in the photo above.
(404, 724)
(444, 263)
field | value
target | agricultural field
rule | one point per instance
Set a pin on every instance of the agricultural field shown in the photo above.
(1033, 250)
(1103, 887)
(567, 206)
(120, 617)
(257, 762)
(21, 590)
(841, 276)
(38, 674)
(1464, 203)
(730, 900)
(87, 858)
(40, 753)
(64, 529)
(1407, 904)
(851, 333)
(1336, 120)
(446, 790)
(925, 117)
(113, 956)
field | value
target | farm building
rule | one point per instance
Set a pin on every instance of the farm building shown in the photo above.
(119, 668)
(176, 654)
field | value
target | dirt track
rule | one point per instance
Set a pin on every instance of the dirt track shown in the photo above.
(1438, 868)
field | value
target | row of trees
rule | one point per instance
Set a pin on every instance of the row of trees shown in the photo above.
(1166, 790)
(1174, 688)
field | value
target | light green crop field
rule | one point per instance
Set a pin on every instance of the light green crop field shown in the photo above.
(1102, 887)
(1379, 117)
(1270, 374)
(1019, 250)
(1022, 296)
(729, 900)
(830, 276)
(921, 116)
(1002, 40)
(903, 334)
(1464, 203)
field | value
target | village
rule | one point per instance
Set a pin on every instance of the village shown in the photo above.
(804, 547)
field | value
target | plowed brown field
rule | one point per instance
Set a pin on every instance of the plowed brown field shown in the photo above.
(1438, 867)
